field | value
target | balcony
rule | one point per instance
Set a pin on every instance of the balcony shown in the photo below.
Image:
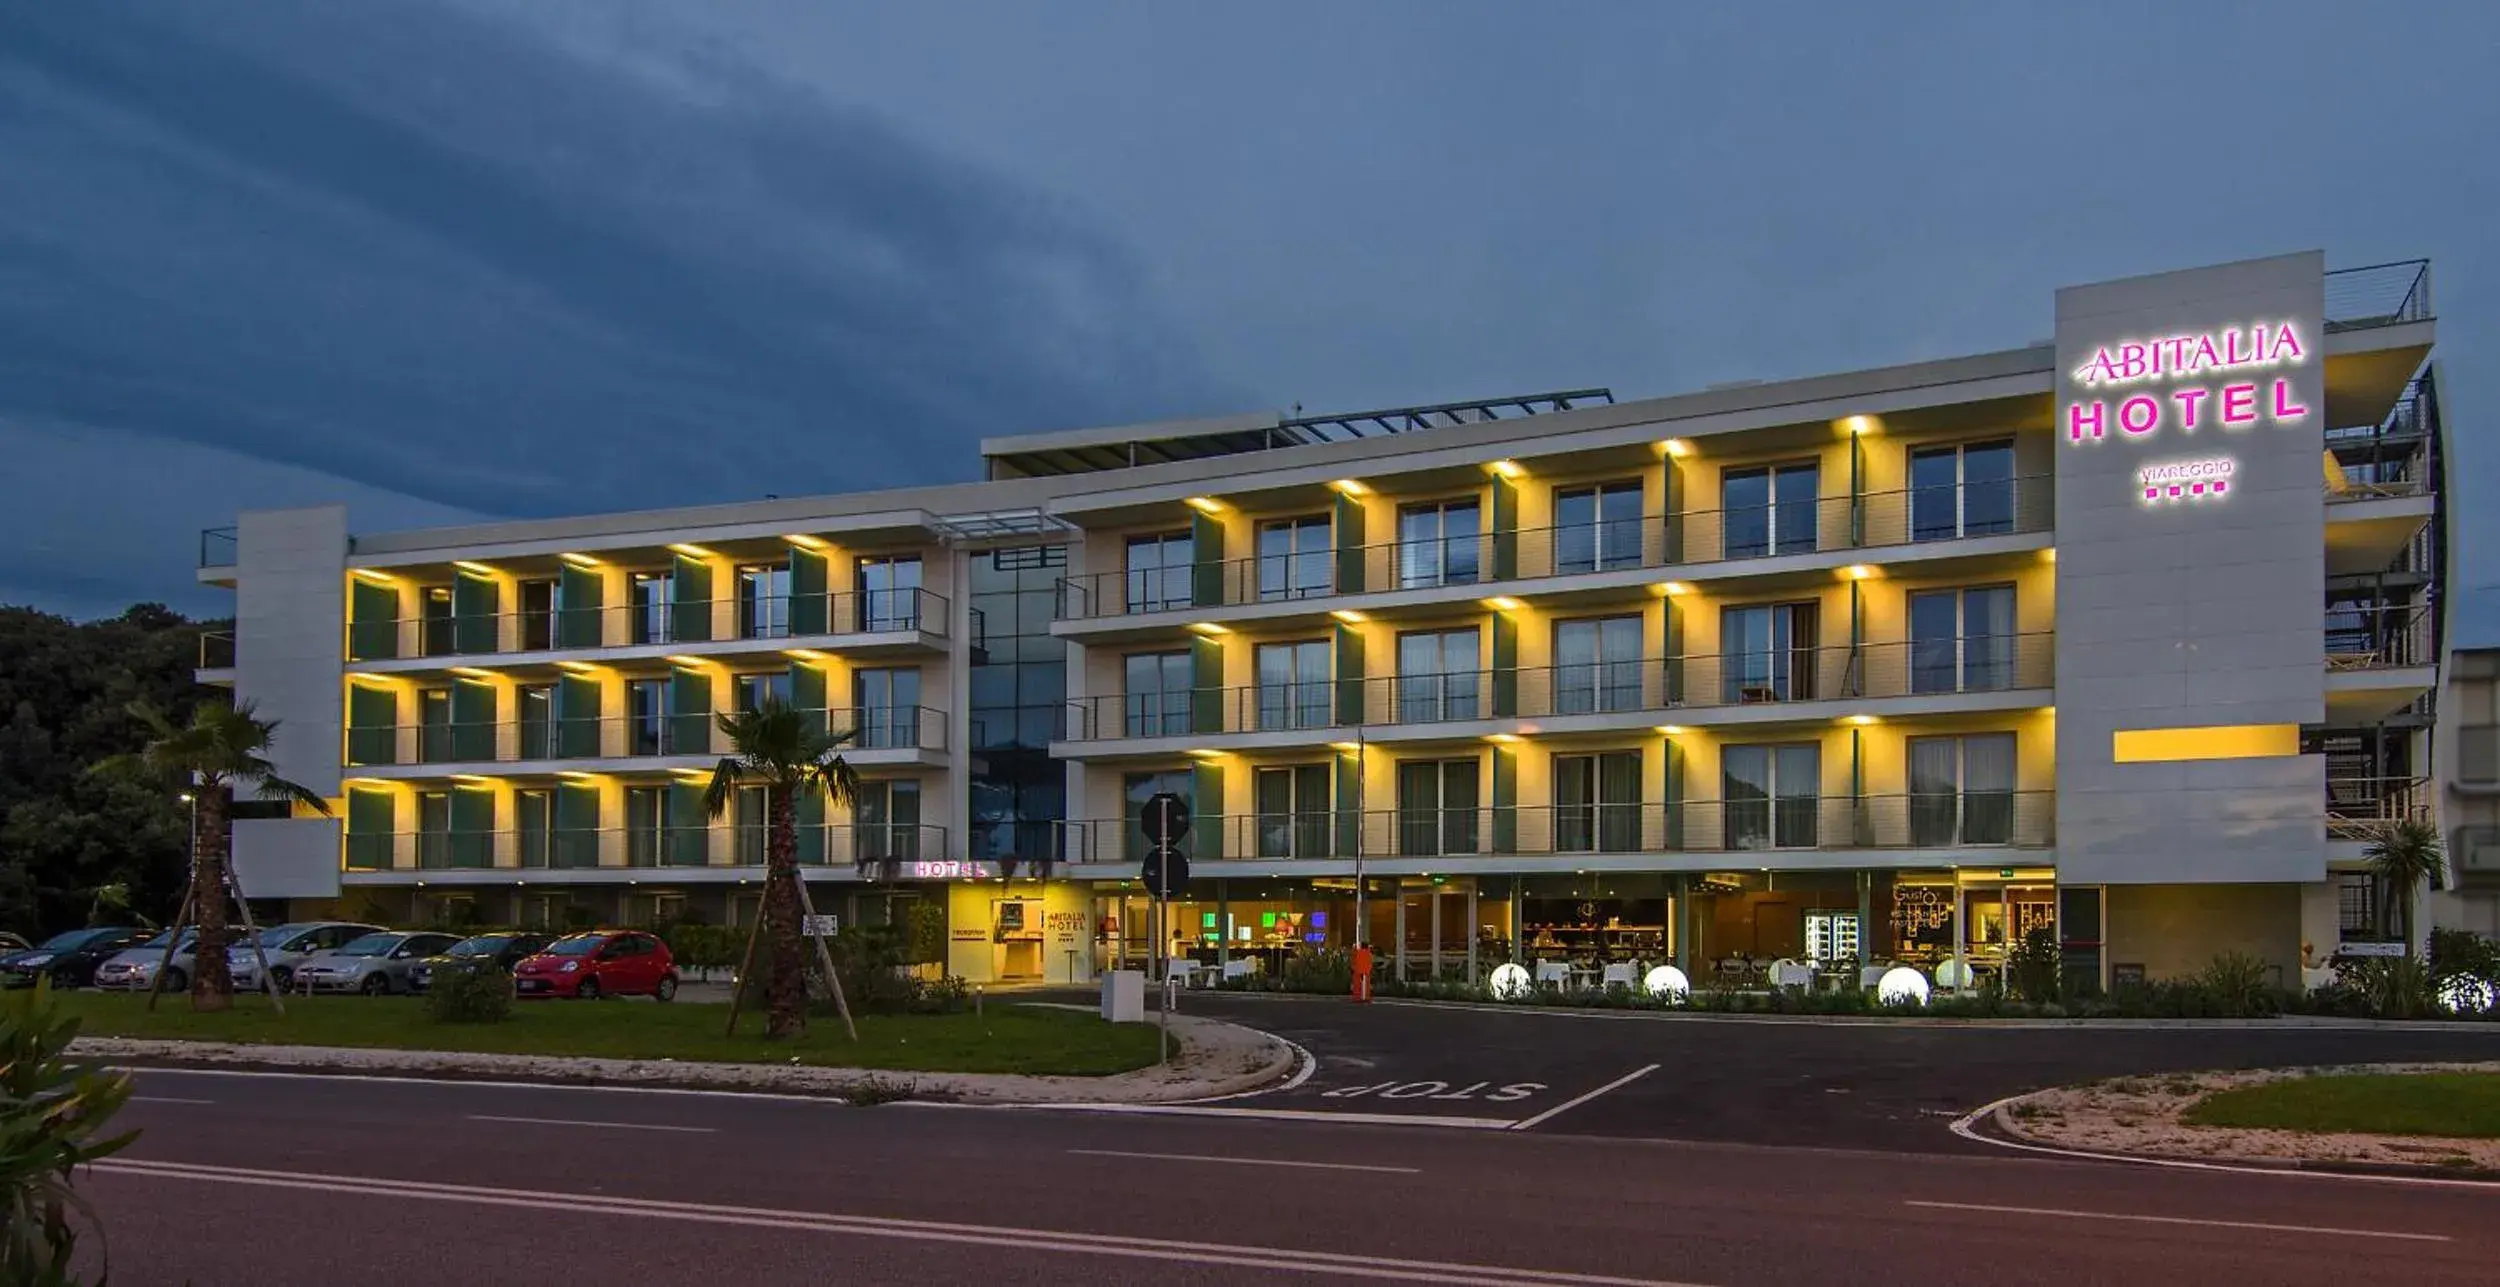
(2391, 294)
(1978, 672)
(2379, 659)
(1620, 549)
(870, 846)
(876, 730)
(1764, 832)
(2363, 809)
(217, 548)
(859, 623)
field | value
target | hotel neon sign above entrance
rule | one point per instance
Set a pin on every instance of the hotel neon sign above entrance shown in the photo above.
(2228, 389)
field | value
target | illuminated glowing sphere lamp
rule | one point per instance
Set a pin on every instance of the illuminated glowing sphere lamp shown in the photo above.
(1952, 974)
(1901, 985)
(2465, 994)
(1667, 983)
(1510, 981)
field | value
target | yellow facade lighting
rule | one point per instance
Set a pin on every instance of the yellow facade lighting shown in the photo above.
(466, 565)
(1209, 629)
(581, 560)
(578, 667)
(471, 778)
(1504, 739)
(1672, 588)
(2049, 555)
(2220, 742)
(1348, 616)
(1205, 504)
(681, 659)
(806, 542)
(1351, 487)
(1857, 572)
(576, 775)
(1676, 447)
(1862, 720)
(1860, 425)
(1347, 747)
(804, 654)
(1672, 730)
(1503, 603)
(377, 578)
(1510, 469)
(693, 551)
(472, 672)
(1205, 753)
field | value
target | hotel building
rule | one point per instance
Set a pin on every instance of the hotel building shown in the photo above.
(2132, 633)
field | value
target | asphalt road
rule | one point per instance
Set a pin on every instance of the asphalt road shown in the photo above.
(1717, 1167)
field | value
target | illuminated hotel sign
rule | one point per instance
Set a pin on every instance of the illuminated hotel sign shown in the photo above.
(2229, 386)
(2186, 480)
(954, 870)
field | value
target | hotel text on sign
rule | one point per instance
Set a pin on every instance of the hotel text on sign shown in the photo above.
(2220, 379)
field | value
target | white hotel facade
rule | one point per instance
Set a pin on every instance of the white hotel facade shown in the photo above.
(2134, 634)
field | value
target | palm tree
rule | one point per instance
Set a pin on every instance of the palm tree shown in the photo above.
(223, 747)
(2405, 857)
(786, 751)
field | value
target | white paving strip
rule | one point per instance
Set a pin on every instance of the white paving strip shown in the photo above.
(1302, 1259)
(575, 1121)
(1569, 1104)
(1247, 1161)
(2190, 1221)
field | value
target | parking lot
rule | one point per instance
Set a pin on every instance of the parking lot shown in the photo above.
(1889, 1085)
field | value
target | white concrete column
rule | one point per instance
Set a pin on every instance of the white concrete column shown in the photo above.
(957, 783)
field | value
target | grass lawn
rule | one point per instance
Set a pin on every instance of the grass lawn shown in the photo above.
(2462, 1105)
(1007, 1039)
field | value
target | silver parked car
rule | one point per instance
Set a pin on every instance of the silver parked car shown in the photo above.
(287, 946)
(134, 969)
(373, 965)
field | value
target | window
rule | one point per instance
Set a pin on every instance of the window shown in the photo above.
(534, 811)
(754, 690)
(435, 735)
(1962, 640)
(754, 825)
(887, 816)
(2478, 754)
(1597, 527)
(649, 594)
(1157, 696)
(1437, 544)
(1965, 490)
(1137, 788)
(1293, 811)
(1597, 665)
(538, 614)
(2356, 905)
(1437, 807)
(1767, 653)
(1159, 572)
(537, 705)
(889, 593)
(1962, 790)
(1437, 676)
(889, 706)
(438, 633)
(433, 829)
(646, 717)
(763, 600)
(646, 825)
(1294, 687)
(1597, 803)
(1293, 558)
(1772, 795)
(1769, 510)
(1831, 936)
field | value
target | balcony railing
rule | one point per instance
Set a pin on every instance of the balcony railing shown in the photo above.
(2366, 808)
(2391, 294)
(1942, 820)
(217, 547)
(2378, 638)
(1972, 664)
(216, 650)
(1493, 559)
(625, 626)
(580, 848)
(875, 728)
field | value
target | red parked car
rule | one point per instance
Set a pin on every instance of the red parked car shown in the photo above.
(602, 963)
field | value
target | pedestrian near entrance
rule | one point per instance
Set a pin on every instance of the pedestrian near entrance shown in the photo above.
(1362, 974)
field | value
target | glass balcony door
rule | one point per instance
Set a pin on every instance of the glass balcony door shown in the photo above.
(1293, 811)
(1962, 790)
(1294, 558)
(1156, 699)
(1158, 574)
(1597, 665)
(1597, 803)
(1294, 685)
(1772, 795)
(1597, 527)
(1769, 509)
(1962, 490)
(1962, 640)
(889, 594)
(1438, 677)
(1437, 803)
(1437, 544)
(1766, 653)
(889, 706)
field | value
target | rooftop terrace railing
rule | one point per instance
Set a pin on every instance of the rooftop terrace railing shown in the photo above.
(2390, 294)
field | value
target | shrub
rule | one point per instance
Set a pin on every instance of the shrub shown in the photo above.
(2464, 954)
(479, 995)
(1326, 971)
(925, 933)
(2239, 986)
(2032, 965)
(53, 1115)
(2388, 987)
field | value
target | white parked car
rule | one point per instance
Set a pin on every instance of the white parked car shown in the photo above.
(287, 946)
(134, 969)
(375, 965)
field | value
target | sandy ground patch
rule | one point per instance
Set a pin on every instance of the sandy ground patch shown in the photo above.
(2141, 1115)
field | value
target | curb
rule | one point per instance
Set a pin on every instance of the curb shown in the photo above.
(1202, 1040)
(2281, 1023)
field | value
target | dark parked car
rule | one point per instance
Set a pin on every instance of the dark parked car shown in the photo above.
(502, 949)
(11, 944)
(68, 959)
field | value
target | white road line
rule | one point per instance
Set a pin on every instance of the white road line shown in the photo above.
(1263, 1114)
(1569, 1104)
(1967, 1127)
(1246, 1161)
(1301, 1259)
(167, 1099)
(1306, 1062)
(575, 1121)
(2179, 1220)
(473, 1083)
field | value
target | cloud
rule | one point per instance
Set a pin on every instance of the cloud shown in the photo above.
(438, 255)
